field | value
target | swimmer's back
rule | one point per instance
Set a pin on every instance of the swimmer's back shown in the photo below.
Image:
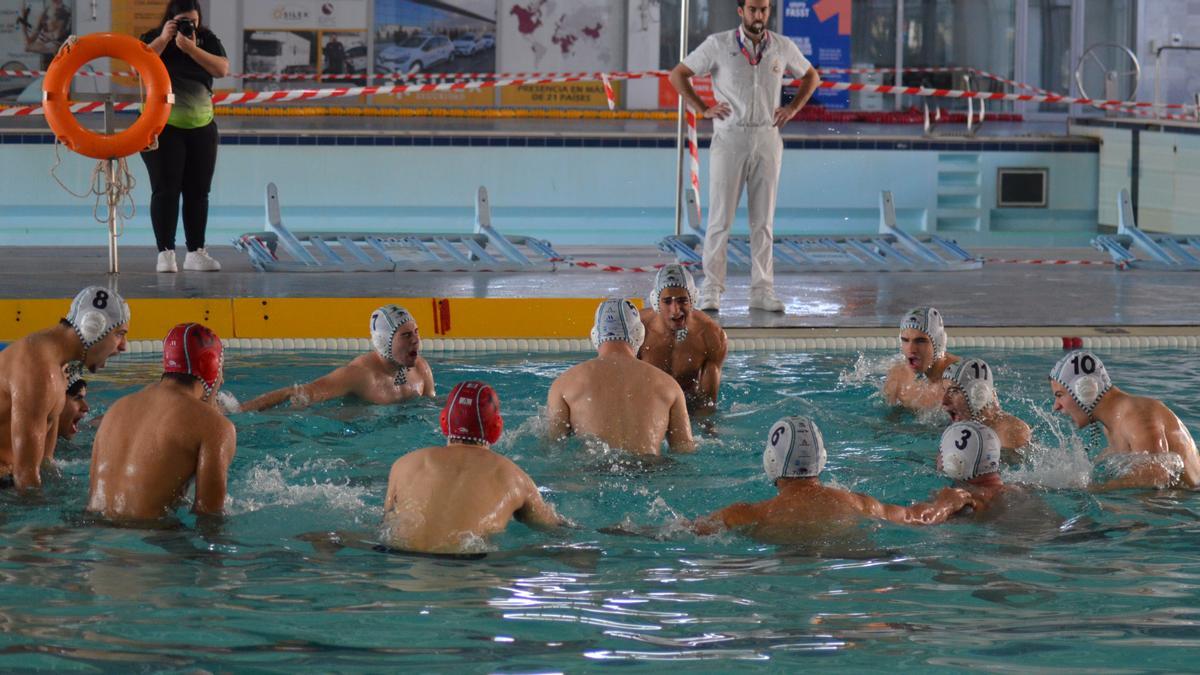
(450, 499)
(814, 514)
(1153, 427)
(147, 451)
(624, 402)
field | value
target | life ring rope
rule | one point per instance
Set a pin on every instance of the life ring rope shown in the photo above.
(156, 107)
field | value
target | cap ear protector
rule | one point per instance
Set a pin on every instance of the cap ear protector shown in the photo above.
(472, 413)
(193, 349)
(618, 320)
(974, 377)
(95, 312)
(1084, 377)
(968, 450)
(929, 321)
(795, 449)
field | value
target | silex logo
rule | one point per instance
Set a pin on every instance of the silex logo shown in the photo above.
(286, 13)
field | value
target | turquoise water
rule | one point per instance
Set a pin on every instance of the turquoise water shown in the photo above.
(1059, 579)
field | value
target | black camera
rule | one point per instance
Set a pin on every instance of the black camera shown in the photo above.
(186, 27)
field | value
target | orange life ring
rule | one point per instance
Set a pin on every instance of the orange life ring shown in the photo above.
(57, 87)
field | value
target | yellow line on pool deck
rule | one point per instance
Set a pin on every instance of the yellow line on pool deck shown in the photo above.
(448, 318)
(326, 317)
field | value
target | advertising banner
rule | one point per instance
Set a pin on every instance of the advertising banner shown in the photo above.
(30, 35)
(552, 36)
(304, 37)
(436, 36)
(821, 28)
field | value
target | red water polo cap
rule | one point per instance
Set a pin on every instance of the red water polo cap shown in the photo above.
(472, 413)
(192, 349)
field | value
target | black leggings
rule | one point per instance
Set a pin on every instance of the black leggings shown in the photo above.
(183, 165)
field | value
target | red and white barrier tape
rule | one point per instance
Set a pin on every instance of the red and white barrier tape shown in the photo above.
(283, 77)
(608, 92)
(601, 267)
(693, 141)
(291, 95)
(1040, 261)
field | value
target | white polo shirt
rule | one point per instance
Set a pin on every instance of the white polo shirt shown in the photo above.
(753, 92)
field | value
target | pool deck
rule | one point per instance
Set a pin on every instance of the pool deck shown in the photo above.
(999, 299)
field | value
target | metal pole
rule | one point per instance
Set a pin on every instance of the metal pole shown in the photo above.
(897, 101)
(680, 131)
(110, 174)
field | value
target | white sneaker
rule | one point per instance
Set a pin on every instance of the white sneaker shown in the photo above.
(200, 261)
(765, 299)
(710, 299)
(166, 262)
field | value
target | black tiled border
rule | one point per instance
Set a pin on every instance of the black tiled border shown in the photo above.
(920, 145)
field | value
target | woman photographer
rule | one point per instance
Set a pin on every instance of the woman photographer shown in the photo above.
(186, 156)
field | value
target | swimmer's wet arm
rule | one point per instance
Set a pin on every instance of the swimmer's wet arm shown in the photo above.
(728, 518)
(710, 377)
(32, 430)
(558, 414)
(212, 469)
(948, 502)
(429, 390)
(679, 427)
(269, 400)
(1150, 475)
(538, 513)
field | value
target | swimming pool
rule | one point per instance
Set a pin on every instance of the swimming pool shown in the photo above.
(1064, 579)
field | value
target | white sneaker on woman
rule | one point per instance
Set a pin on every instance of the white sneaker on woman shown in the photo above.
(166, 262)
(200, 261)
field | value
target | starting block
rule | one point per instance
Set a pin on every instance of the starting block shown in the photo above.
(892, 250)
(1159, 251)
(278, 249)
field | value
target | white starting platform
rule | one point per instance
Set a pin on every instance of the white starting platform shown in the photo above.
(277, 249)
(892, 250)
(1158, 251)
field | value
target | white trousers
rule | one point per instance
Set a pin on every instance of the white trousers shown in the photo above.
(749, 156)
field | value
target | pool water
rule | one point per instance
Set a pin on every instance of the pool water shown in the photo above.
(1059, 579)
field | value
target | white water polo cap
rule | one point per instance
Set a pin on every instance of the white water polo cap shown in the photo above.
(384, 323)
(795, 449)
(96, 312)
(616, 320)
(1084, 376)
(929, 321)
(673, 276)
(974, 377)
(969, 450)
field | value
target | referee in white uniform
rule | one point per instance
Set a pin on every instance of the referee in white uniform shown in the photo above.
(747, 66)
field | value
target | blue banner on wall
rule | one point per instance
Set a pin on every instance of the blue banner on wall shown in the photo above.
(821, 28)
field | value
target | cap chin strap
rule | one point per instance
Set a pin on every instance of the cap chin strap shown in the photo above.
(681, 335)
(401, 378)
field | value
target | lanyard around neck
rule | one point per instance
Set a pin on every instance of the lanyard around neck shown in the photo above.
(760, 49)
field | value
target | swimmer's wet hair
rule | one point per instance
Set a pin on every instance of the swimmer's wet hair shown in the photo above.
(74, 389)
(180, 378)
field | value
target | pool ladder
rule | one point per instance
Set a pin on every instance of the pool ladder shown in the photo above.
(278, 249)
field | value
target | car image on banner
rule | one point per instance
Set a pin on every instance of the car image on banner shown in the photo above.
(415, 55)
(414, 36)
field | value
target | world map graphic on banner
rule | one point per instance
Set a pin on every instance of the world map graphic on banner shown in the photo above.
(561, 34)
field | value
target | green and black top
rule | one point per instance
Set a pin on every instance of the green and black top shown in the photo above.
(190, 82)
